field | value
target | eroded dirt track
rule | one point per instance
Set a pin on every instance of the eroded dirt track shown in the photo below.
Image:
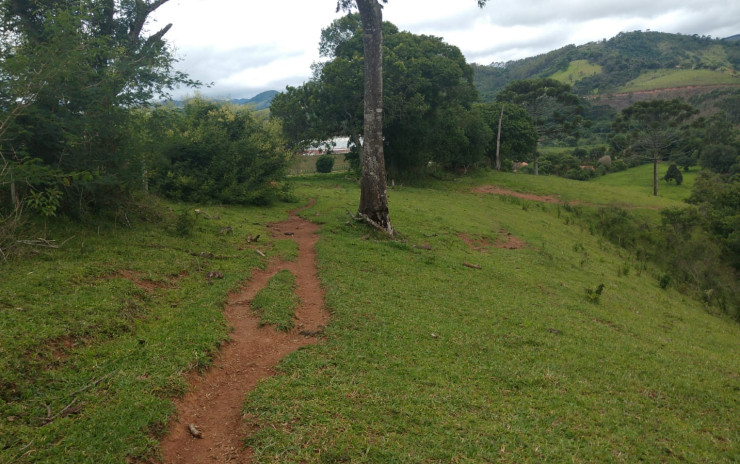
(214, 401)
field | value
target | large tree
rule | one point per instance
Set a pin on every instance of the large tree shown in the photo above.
(373, 196)
(74, 104)
(427, 96)
(555, 110)
(652, 129)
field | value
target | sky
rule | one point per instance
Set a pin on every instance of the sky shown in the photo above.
(244, 47)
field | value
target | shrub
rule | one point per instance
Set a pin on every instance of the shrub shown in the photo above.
(325, 163)
(719, 158)
(185, 223)
(674, 174)
(210, 152)
(618, 165)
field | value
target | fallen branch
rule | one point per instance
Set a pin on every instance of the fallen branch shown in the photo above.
(93, 384)
(260, 253)
(40, 242)
(63, 413)
(472, 266)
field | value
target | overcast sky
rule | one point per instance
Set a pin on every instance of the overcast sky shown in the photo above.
(247, 46)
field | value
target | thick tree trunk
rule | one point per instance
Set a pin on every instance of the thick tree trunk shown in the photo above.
(373, 195)
(498, 139)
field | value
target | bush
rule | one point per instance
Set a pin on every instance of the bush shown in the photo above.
(185, 224)
(210, 152)
(325, 163)
(719, 158)
(618, 165)
(674, 174)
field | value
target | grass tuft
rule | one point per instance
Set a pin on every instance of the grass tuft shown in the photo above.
(276, 302)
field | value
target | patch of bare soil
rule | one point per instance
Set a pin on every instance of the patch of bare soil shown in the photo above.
(214, 402)
(505, 240)
(508, 241)
(495, 190)
(480, 244)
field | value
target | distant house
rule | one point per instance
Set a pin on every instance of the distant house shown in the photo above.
(337, 145)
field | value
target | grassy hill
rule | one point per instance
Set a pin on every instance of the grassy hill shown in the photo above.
(671, 78)
(630, 62)
(425, 359)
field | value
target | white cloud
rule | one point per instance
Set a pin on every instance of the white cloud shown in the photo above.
(245, 47)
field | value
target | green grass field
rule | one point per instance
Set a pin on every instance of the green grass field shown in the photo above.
(425, 360)
(577, 70)
(669, 78)
(639, 181)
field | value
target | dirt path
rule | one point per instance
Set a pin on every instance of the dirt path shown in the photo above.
(214, 401)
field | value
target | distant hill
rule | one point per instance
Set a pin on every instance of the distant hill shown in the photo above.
(631, 66)
(260, 101)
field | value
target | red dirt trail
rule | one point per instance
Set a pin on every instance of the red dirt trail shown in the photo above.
(214, 401)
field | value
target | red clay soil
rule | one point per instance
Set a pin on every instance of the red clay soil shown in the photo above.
(214, 401)
(505, 241)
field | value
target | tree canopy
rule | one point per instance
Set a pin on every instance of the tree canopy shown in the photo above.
(428, 93)
(652, 129)
(72, 70)
(555, 110)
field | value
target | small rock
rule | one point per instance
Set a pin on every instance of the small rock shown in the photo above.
(194, 431)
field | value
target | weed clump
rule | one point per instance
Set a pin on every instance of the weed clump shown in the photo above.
(185, 223)
(594, 294)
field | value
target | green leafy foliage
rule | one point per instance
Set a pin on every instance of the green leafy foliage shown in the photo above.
(324, 163)
(518, 135)
(593, 295)
(652, 130)
(212, 152)
(722, 159)
(718, 197)
(70, 73)
(673, 174)
(427, 94)
(555, 110)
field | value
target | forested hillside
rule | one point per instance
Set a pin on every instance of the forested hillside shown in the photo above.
(631, 62)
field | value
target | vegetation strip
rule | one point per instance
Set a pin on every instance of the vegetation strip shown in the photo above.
(276, 302)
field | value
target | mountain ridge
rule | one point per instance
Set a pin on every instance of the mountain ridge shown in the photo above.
(624, 64)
